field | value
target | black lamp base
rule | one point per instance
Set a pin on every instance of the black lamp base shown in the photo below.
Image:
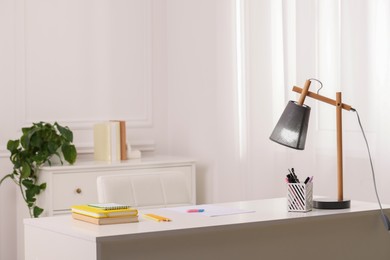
(331, 204)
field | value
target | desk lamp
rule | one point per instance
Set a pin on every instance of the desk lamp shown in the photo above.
(291, 131)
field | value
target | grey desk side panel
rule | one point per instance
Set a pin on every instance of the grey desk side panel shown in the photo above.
(358, 236)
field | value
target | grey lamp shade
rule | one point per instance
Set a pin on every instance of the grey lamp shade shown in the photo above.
(291, 128)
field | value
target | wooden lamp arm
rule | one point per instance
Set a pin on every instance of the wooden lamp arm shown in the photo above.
(304, 92)
(339, 107)
(319, 97)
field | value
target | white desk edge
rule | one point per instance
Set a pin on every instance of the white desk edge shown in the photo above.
(267, 212)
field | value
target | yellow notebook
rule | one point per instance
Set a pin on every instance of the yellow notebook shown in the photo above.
(103, 213)
(110, 205)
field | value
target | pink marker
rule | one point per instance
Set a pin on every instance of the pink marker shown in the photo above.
(194, 210)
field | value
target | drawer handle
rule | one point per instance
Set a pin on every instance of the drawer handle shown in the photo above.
(78, 190)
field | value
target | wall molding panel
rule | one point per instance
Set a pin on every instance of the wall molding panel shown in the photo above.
(84, 62)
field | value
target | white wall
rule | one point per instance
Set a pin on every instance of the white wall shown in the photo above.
(7, 101)
(202, 102)
(191, 80)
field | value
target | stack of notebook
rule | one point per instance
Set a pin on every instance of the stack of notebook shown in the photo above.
(106, 213)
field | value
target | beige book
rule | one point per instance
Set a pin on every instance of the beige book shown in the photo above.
(106, 138)
(105, 221)
(123, 139)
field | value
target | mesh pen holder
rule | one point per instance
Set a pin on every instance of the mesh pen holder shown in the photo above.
(300, 197)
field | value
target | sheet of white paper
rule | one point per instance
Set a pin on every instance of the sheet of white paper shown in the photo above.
(211, 210)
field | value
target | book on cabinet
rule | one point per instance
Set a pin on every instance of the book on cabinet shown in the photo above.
(106, 139)
(110, 142)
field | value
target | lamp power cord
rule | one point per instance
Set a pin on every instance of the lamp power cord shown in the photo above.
(385, 219)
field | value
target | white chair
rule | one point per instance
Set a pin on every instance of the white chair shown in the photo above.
(150, 190)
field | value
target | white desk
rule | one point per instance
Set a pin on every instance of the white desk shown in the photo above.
(269, 233)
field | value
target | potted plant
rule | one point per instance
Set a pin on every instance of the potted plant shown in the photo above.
(37, 146)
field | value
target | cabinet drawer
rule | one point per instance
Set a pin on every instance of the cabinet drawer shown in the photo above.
(73, 189)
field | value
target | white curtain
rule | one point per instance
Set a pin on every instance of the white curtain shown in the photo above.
(343, 43)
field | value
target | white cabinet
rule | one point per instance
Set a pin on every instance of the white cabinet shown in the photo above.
(69, 185)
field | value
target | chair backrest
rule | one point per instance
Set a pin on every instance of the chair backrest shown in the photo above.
(147, 190)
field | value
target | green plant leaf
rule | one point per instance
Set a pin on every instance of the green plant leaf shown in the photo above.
(37, 211)
(65, 132)
(36, 140)
(25, 130)
(26, 170)
(31, 192)
(26, 137)
(42, 186)
(70, 153)
(27, 183)
(30, 196)
(12, 145)
(52, 147)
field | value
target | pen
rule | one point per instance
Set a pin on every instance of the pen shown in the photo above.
(307, 180)
(195, 210)
(294, 175)
(156, 217)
